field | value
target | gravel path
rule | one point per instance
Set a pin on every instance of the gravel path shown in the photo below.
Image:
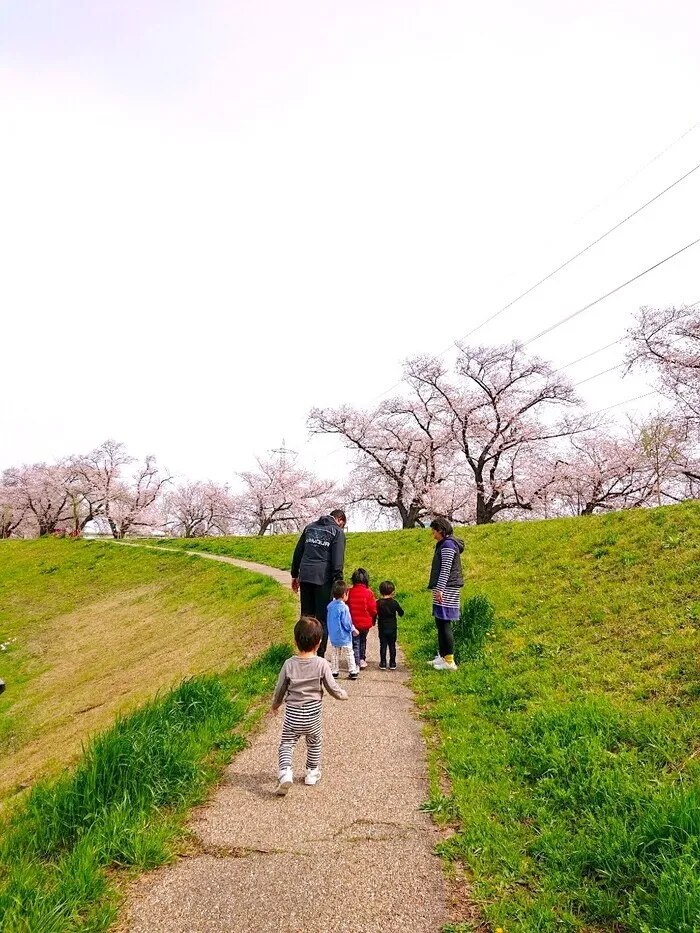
(351, 855)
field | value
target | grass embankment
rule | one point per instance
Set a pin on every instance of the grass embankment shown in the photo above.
(94, 628)
(572, 747)
(123, 807)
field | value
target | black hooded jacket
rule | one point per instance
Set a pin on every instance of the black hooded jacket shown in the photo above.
(320, 553)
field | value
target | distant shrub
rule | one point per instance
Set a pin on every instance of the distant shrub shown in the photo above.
(470, 630)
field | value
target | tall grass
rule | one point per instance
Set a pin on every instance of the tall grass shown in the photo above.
(124, 804)
(475, 623)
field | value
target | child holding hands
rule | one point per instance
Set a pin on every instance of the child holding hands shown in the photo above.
(341, 630)
(300, 686)
(387, 610)
(363, 611)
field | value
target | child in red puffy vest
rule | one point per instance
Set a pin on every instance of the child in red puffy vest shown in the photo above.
(362, 604)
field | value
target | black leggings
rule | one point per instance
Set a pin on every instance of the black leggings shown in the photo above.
(446, 640)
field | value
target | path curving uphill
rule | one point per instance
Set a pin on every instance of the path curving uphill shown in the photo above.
(352, 855)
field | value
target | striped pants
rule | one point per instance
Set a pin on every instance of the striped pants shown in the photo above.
(301, 720)
(338, 653)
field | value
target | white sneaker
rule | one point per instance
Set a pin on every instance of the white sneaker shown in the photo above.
(285, 781)
(432, 662)
(313, 776)
(442, 665)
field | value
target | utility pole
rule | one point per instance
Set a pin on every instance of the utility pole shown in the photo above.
(282, 453)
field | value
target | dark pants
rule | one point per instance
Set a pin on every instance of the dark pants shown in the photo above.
(387, 640)
(446, 640)
(314, 602)
(359, 647)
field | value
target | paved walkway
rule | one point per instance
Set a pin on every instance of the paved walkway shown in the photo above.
(351, 855)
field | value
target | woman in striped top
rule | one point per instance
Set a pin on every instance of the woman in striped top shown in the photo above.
(445, 581)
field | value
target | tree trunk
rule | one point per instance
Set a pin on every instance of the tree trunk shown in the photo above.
(484, 513)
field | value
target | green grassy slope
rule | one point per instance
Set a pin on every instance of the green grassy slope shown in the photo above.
(94, 628)
(573, 747)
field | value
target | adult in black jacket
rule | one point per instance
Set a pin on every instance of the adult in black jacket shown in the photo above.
(317, 564)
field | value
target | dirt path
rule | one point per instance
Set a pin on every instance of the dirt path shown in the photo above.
(351, 855)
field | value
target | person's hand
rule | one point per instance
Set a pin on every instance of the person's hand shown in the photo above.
(295, 584)
(275, 710)
(355, 631)
(438, 597)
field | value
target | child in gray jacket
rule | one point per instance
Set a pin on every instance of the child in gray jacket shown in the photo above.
(300, 686)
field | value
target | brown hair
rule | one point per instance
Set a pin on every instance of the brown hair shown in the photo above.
(308, 633)
(442, 526)
(339, 590)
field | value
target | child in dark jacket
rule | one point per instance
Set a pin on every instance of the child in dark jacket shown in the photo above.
(363, 612)
(387, 610)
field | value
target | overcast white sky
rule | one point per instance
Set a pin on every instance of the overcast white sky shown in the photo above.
(215, 215)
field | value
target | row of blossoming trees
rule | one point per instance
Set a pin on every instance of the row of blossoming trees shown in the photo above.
(108, 491)
(499, 434)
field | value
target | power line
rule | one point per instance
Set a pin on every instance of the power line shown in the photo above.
(580, 359)
(580, 253)
(562, 266)
(602, 373)
(592, 304)
(638, 172)
(626, 402)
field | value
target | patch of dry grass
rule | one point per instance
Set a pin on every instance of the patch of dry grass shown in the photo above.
(96, 629)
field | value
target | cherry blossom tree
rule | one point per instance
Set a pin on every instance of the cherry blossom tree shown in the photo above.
(196, 509)
(97, 478)
(667, 342)
(401, 457)
(666, 443)
(280, 496)
(604, 472)
(104, 493)
(498, 407)
(13, 509)
(132, 503)
(42, 492)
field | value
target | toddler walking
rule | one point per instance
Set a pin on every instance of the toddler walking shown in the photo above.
(341, 630)
(387, 610)
(363, 611)
(300, 685)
